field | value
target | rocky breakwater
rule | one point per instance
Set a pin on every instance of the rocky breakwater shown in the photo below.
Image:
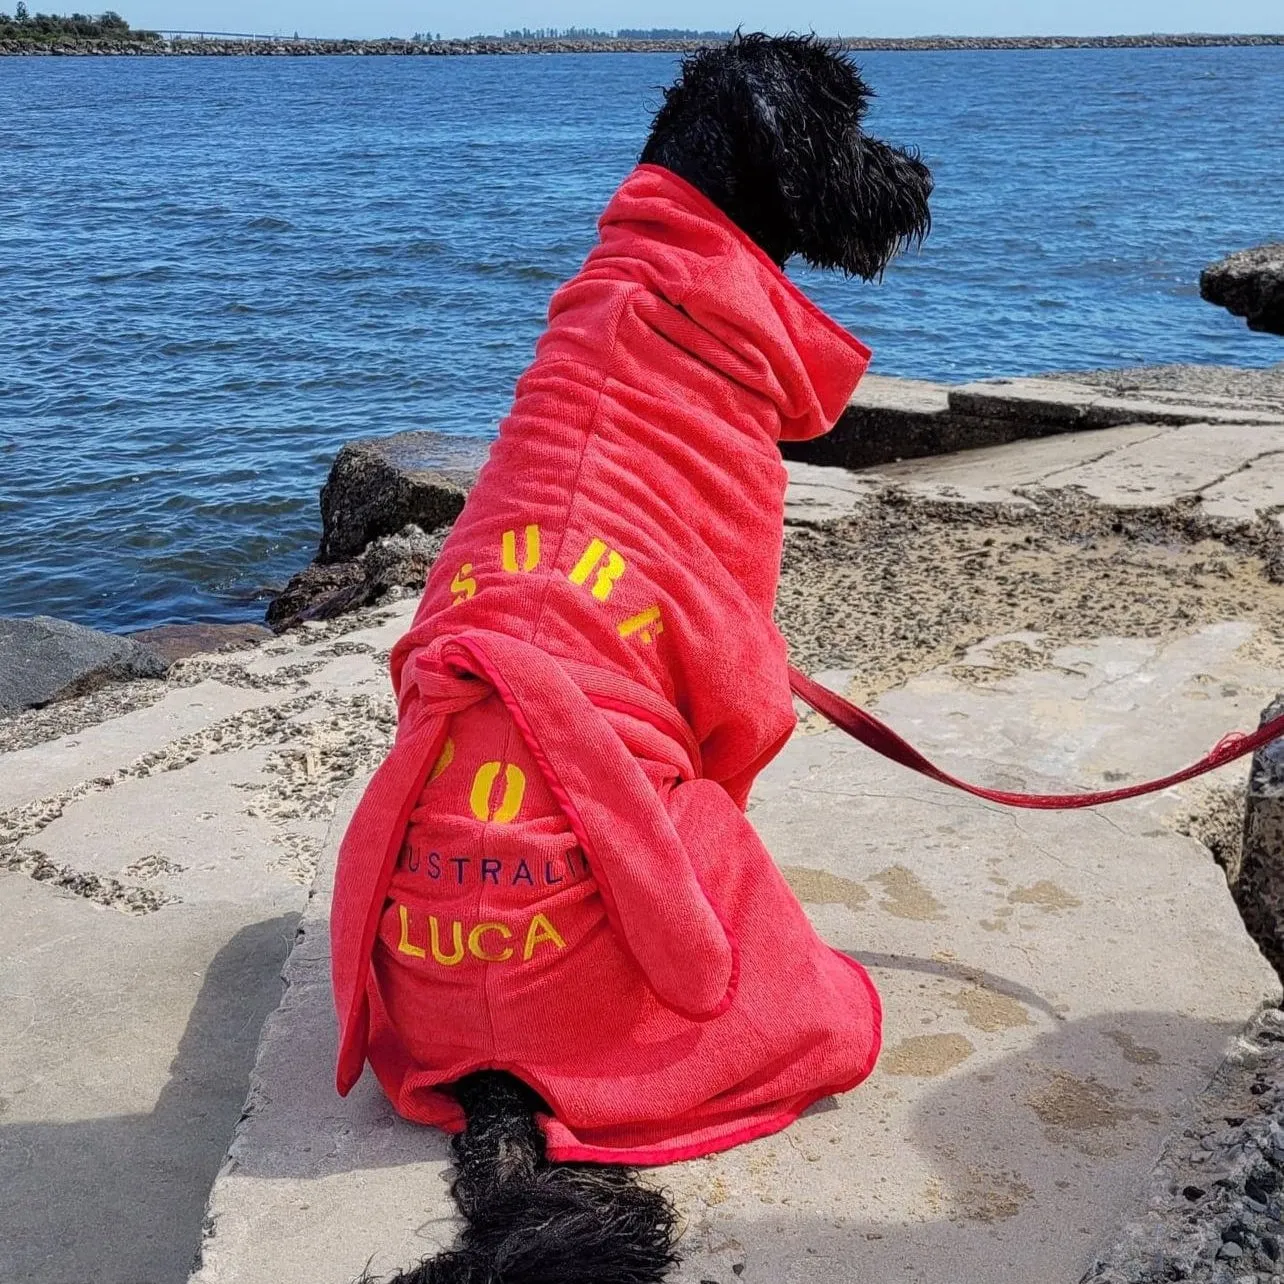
(71, 48)
(215, 45)
(416, 48)
(1249, 284)
(385, 510)
(218, 46)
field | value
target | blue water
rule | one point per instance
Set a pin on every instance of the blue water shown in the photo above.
(213, 272)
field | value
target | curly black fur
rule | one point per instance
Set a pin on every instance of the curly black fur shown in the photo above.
(529, 1221)
(769, 129)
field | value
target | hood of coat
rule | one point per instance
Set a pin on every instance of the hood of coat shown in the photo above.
(747, 318)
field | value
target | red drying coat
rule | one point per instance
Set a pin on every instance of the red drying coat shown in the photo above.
(552, 873)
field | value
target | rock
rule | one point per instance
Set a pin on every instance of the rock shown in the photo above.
(318, 592)
(1249, 284)
(1257, 882)
(323, 590)
(177, 641)
(402, 560)
(43, 660)
(385, 511)
(380, 485)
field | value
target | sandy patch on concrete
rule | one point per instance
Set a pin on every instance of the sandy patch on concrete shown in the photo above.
(906, 586)
(989, 1012)
(820, 887)
(1234, 384)
(925, 1056)
(905, 896)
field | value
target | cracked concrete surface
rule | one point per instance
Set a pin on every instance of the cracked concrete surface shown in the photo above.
(153, 865)
(1058, 988)
(1074, 610)
(1140, 465)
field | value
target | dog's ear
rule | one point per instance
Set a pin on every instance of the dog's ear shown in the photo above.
(855, 202)
(866, 205)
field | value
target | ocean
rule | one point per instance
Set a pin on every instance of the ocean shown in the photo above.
(216, 271)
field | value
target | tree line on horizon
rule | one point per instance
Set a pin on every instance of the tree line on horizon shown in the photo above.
(47, 27)
(40, 28)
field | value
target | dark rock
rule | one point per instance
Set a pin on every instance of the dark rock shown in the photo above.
(1249, 284)
(1257, 880)
(380, 485)
(43, 660)
(177, 641)
(323, 591)
(310, 593)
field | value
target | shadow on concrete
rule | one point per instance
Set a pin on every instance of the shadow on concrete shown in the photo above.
(954, 971)
(1022, 1168)
(120, 1200)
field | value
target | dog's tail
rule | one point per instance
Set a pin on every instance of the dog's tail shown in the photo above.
(531, 1221)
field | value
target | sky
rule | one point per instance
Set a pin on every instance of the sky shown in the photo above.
(828, 17)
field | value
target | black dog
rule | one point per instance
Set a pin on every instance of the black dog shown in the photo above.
(769, 130)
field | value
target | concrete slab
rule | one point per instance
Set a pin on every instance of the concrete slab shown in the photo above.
(1057, 989)
(1057, 986)
(1184, 461)
(126, 1042)
(889, 420)
(1255, 487)
(818, 494)
(314, 1187)
(106, 747)
(126, 1038)
(914, 396)
(183, 834)
(1054, 405)
(1236, 470)
(997, 474)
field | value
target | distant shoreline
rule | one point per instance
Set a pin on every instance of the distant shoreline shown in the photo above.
(218, 46)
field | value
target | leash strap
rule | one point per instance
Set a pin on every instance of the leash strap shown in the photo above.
(879, 737)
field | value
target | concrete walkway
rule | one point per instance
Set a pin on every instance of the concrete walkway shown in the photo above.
(1058, 987)
(152, 871)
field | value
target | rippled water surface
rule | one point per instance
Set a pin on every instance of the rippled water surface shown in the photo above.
(213, 272)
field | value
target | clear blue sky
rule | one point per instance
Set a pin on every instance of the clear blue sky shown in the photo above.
(898, 18)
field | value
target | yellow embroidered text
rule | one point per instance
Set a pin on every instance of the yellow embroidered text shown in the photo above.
(530, 554)
(647, 624)
(463, 584)
(608, 564)
(539, 931)
(510, 802)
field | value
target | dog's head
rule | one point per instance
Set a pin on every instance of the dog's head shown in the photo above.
(769, 129)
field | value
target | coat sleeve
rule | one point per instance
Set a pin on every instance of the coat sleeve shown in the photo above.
(653, 899)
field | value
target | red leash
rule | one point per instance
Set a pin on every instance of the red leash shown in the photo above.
(882, 739)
